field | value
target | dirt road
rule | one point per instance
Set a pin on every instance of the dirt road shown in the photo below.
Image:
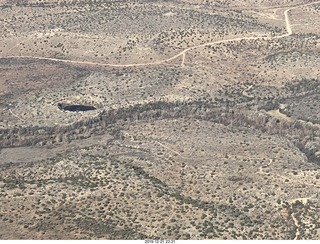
(182, 53)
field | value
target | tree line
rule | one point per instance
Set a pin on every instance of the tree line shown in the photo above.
(300, 133)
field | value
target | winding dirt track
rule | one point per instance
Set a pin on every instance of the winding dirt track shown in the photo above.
(182, 53)
(296, 223)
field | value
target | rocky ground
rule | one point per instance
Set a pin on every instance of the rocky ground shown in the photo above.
(203, 120)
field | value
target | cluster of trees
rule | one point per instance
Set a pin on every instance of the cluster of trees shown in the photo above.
(300, 133)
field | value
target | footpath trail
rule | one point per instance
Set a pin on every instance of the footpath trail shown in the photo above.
(182, 53)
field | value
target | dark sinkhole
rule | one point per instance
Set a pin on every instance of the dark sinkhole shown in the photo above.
(75, 107)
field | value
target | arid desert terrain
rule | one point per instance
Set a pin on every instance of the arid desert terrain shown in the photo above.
(163, 119)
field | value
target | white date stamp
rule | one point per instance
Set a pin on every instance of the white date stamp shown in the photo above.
(159, 241)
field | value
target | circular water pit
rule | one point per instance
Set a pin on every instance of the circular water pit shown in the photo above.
(75, 107)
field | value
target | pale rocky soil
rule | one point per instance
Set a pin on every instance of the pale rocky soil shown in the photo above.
(232, 152)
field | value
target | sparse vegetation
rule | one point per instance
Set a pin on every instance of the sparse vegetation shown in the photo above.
(201, 121)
